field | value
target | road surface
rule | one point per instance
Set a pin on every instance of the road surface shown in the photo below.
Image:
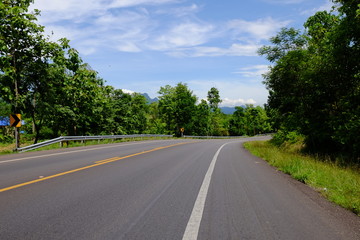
(168, 189)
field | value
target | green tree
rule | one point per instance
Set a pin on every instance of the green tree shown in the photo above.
(314, 83)
(121, 111)
(77, 93)
(177, 106)
(24, 56)
(202, 119)
(155, 123)
(218, 126)
(138, 116)
(256, 120)
(237, 122)
(213, 98)
(20, 45)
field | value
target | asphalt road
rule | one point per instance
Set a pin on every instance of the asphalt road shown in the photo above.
(172, 189)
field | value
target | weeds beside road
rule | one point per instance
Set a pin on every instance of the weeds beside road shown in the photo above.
(340, 185)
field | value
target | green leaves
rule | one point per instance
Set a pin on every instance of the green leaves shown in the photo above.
(177, 107)
(286, 40)
(214, 98)
(50, 85)
(313, 83)
(249, 121)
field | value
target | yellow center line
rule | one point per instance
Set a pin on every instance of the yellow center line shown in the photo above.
(98, 163)
(105, 160)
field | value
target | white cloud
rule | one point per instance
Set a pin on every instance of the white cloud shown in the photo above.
(56, 32)
(226, 102)
(233, 50)
(253, 71)
(118, 26)
(180, 11)
(73, 10)
(127, 91)
(87, 50)
(183, 35)
(243, 50)
(132, 3)
(285, 1)
(128, 47)
(234, 92)
(261, 29)
(327, 6)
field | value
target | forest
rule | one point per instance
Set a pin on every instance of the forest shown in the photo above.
(57, 93)
(313, 82)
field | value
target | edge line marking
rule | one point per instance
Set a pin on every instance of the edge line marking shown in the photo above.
(193, 226)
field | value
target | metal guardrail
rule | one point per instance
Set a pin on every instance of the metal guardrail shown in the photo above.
(84, 138)
(226, 137)
(214, 137)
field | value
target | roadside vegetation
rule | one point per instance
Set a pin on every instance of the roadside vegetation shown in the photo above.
(314, 81)
(313, 104)
(58, 94)
(331, 176)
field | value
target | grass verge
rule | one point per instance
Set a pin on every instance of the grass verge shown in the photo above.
(340, 185)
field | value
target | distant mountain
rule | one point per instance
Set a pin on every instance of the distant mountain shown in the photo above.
(225, 110)
(229, 110)
(149, 99)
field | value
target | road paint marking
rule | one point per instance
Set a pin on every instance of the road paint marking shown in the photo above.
(105, 160)
(135, 154)
(62, 153)
(102, 162)
(193, 226)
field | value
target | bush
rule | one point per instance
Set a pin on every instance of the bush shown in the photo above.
(283, 136)
(6, 139)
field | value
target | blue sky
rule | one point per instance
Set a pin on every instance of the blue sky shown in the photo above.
(141, 45)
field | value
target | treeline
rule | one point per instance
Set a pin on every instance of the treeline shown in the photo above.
(314, 82)
(58, 94)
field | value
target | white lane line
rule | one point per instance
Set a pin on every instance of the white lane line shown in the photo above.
(193, 226)
(62, 153)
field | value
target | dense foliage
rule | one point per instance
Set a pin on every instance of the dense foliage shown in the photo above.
(58, 94)
(314, 83)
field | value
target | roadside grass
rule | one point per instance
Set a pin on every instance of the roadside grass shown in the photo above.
(7, 148)
(339, 184)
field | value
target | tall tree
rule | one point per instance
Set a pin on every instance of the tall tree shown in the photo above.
(155, 124)
(202, 119)
(237, 125)
(77, 92)
(24, 57)
(177, 107)
(213, 98)
(314, 83)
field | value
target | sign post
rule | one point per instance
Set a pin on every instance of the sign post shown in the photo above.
(15, 121)
(182, 132)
